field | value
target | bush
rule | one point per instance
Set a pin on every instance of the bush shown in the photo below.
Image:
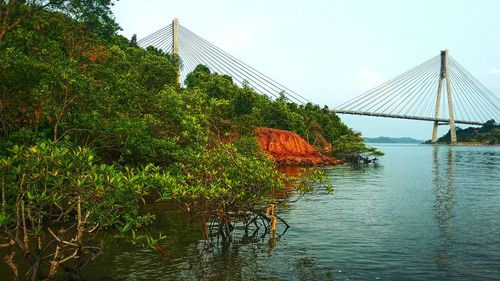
(56, 193)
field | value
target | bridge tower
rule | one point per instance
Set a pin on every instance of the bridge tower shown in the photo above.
(175, 46)
(444, 75)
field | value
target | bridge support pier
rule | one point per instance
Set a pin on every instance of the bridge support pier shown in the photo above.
(444, 75)
(435, 132)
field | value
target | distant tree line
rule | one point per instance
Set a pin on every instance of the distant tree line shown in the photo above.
(489, 134)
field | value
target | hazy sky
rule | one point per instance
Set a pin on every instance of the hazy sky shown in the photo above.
(331, 51)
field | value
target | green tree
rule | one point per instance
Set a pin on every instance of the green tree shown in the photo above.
(95, 14)
(486, 134)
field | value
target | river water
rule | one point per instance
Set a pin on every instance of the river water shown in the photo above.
(425, 213)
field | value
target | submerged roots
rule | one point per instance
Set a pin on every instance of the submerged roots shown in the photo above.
(255, 224)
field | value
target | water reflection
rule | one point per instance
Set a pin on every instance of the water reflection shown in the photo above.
(436, 219)
(444, 189)
(306, 268)
(235, 260)
(291, 171)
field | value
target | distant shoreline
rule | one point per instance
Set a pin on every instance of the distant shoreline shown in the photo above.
(440, 144)
(401, 140)
(464, 144)
(468, 144)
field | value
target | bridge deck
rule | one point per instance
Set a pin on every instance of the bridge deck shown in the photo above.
(353, 112)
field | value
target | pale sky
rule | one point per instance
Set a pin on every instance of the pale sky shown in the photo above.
(332, 51)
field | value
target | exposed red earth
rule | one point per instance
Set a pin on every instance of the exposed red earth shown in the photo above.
(289, 149)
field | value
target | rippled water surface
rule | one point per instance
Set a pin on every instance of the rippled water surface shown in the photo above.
(426, 212)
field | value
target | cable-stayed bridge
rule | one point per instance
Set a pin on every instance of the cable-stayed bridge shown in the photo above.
(439, 90)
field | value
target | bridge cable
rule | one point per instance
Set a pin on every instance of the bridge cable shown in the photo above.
(407, 84)
(460, 88)
(257, 84)
(154, 40)
(143, 41)
(218, 64)
(247, 67)
(218, 61)
(421, 94)
(490, 100)
(387, 89)
(478, 96)
(221, 70)
(416, 85)
(373, 92)
(388, 94)
(457, 93)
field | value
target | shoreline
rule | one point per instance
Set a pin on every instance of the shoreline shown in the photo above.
(463, 144)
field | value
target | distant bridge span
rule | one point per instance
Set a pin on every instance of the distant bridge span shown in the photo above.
(439, 90)
(411, 117)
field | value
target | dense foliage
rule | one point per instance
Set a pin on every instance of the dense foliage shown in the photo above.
(94, 14)
(241, 110)
(92, 127)
(489, 133)
(57, 192)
